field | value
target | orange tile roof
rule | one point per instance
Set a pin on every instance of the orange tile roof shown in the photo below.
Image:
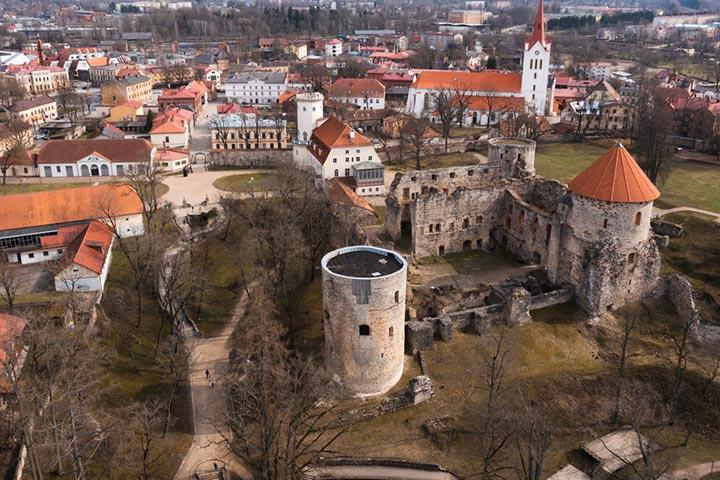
(90, 248)
(168, 127)
(66, 205)
(131, 103)
(64, 236)
(483, 103)
(131, 150)
(486, 81)
(97, 61)
(171, 154)
(356, 87)
(11, 327)
(343, 194)
(334, 133)
(615, 177)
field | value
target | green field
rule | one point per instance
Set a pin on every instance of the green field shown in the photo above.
(244, 182)
(687, 184)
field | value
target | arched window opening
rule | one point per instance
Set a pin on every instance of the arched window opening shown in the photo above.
(638, 217)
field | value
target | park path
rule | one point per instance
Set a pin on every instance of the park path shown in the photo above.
(659, 212)
(198, 187)
(373, 472)
(209, 446)
(693, 472)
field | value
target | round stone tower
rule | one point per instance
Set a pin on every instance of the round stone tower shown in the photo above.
(364, 317)
(513, 157)
(309, 111)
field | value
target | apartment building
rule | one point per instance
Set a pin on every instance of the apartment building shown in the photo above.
(35, 111)
(240, 131)
(258, 88)
(40, 80)
(138, 89)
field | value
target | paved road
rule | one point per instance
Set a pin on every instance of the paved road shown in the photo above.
(662, 212)
(693, 472)
(209, 445)
(198, 186)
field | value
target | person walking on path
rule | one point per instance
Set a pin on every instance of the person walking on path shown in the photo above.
(207, 374)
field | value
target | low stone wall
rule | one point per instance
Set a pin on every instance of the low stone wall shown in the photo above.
(383, 462)
(419, 389)
(663, 227)
(514, 310)
(251, 159)
(680, 293)
(550, 298)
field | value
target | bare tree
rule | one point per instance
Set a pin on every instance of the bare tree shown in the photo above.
(446, 109)
(415, 132)
(533, 441)
(175, 362)
(494, 431)
(219, 130)
(279, 405)
(9, 159)
(9, 282)
(653, 121)
(146, 429)
(629, 324)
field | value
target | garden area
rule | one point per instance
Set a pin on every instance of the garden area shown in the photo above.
(691, 184)
(244, 182)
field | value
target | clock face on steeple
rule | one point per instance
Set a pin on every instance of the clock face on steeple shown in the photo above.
(537, 52)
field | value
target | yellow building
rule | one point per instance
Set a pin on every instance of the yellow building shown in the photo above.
(128, 111)
(473, 17)
(137, 89)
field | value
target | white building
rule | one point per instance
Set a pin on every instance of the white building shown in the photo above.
(87, 259)
(366, 93)
(93, 158)
(309, 112)
(599, 70)
(334, 48)
(257, 88)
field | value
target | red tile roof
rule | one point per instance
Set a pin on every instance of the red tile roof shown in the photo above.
(334, 133)
(67, 205)
(615, 177)
(498, 103)
(131, 150)
(170, 154)
(11, 327)
(167, 127)
(343, 194)
(357, 87)
(91, 247)
(538, 34)
(486, 81)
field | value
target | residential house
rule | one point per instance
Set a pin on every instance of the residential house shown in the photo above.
(87, 256)
(93, 158)
(169, 133)
(34, 111)
(180, 97)
(335, 148)
(333, 48)
(138, 89)
(172, 159)
(127, 111)
(367, 93)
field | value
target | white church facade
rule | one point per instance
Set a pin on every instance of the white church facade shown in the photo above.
(491, 89)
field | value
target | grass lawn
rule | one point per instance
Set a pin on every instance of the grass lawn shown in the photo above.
(228, 259)
(244, 182)
(134, 373)
(694, 255)
(14, 188)
(10, 189)
(687, 184)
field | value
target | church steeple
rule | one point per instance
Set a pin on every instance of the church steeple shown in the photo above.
(538, 34)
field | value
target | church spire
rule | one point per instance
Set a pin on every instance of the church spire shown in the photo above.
(538, 34)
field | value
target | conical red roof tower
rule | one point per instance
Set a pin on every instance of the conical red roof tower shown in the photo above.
(615, 177)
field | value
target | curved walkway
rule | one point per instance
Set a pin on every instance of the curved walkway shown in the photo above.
(662, 212)
(693, 472)
(370, 472)
(198, 187)
(209, 444)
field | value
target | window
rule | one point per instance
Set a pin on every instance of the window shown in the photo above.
(605, 223)
(638, 217)
(347, 172)
(631, 258)
(397, 296)
(31, 255)
(391, 331)
(364, 330)
(478, 220)
(434, 177)
(471, 173)
(452, 174)
(45, 254)
(437, 227)
(336, 172)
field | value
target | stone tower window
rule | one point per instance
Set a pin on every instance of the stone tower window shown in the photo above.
(431, 228)
(466, 222)
(605, 223)
(391, 331)
(437, 227)
(479, 219)
(397, 299)
(470, 173)
(434, 177)
(548, 232)
(441, 250)
(364, 330)
(638, 217)
(452, 174)
(631, 258)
